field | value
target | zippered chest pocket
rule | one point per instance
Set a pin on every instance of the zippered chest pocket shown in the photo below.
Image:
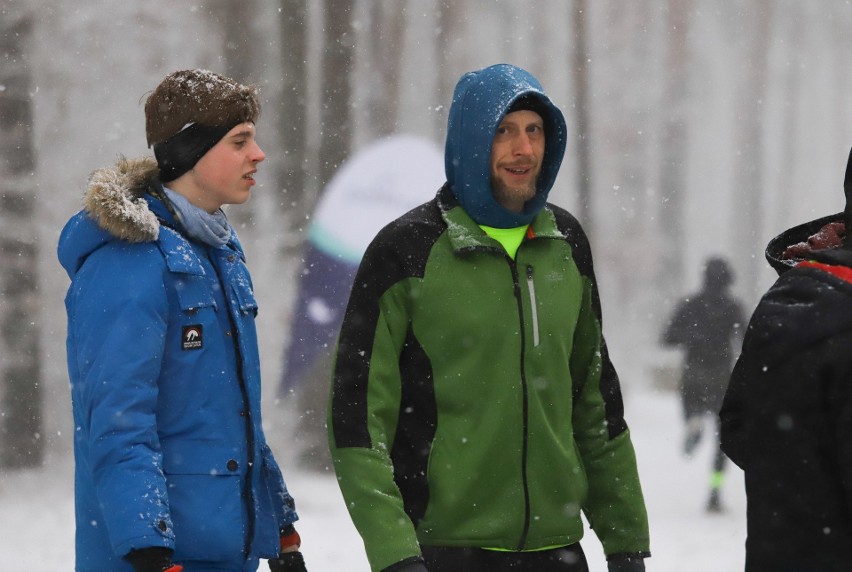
(533, 306)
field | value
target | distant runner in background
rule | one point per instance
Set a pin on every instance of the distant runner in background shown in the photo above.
(705, 325)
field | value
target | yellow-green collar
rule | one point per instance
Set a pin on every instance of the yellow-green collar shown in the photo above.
(510, 238)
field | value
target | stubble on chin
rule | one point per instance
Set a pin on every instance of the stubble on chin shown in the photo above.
(506, 195)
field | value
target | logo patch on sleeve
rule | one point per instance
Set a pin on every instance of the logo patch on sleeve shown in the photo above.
(191, 339)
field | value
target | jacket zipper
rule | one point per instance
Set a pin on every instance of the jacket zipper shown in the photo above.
(525, 408)
(247, 493)
(531, 289)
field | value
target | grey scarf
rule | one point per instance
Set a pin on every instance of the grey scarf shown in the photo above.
(212, 229)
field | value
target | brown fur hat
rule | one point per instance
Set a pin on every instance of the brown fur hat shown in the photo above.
(197, 96)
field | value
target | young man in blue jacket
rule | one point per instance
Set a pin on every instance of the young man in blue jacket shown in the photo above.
(172, 469)
(475, 413)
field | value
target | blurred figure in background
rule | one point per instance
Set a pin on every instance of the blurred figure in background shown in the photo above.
(705, 325)
(378, 184)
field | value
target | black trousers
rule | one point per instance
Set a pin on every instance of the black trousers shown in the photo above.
(449, 559)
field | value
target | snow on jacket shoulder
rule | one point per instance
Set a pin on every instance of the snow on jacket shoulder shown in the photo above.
(165, 377)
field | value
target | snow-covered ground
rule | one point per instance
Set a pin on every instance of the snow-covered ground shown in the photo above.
(37, 508)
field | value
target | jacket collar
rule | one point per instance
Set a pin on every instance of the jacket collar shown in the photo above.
(465, 235)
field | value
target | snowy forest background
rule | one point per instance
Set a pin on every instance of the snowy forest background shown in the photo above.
(698, 128)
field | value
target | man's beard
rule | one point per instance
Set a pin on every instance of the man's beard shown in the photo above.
(505, 194)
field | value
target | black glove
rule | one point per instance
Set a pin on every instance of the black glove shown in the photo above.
(626, 563)
(288, 562)
(153, 559)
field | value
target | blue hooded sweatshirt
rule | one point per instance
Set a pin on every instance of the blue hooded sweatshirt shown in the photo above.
(480, 101)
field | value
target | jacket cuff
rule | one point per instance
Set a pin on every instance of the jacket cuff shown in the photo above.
(413, 564)
(289, 538)
(627, 562)
(151, 559)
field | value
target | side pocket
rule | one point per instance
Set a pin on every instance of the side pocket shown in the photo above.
(207, 515)
(204, 483)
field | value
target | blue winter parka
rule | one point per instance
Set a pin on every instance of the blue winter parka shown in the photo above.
(165, 386)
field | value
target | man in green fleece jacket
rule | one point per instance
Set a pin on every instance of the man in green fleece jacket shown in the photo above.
(474, 411)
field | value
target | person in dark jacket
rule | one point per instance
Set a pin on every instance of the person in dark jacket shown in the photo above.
(787, 413)
(705, 325)
(172, 469)
(475, 413)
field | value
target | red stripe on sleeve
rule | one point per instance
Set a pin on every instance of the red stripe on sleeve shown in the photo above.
(842, 272)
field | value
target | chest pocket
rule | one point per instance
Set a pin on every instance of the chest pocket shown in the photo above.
(194, 293)
(191, 282)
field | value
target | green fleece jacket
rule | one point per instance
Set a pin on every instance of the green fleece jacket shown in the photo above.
(473, 401)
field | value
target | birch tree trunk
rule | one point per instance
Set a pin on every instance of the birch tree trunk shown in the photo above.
(673, 153)
(449, 16)
(385, 45)
(297, 201)
(749, 179)
(580, 77)
(335, 116)
(20, 429)
(234, 23)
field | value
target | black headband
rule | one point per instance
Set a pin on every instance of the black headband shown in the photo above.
(180, 152)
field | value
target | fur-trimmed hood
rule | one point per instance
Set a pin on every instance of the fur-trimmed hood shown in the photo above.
(115, 199)
(114, 207)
